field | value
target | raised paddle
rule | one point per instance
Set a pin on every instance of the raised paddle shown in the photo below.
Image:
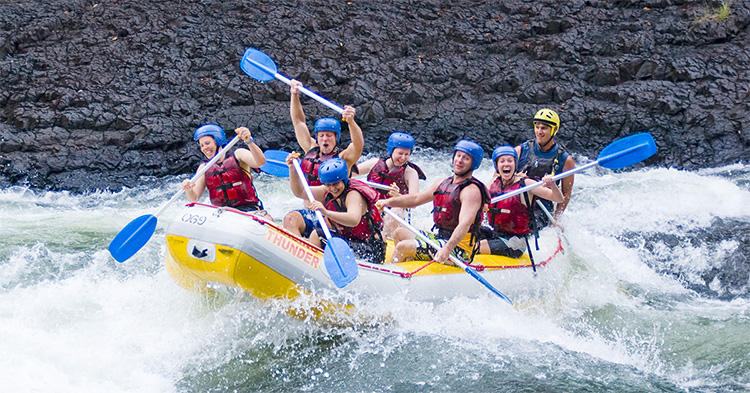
(275, 163)
(338, 257)
(137, 233)
(618, 154)
(259, 66)
(453, 258)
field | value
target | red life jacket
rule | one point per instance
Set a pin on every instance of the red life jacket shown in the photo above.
(509, 215)
(381, 174)
(371, 221)
(230, 185)
(447, 204)
(311, 163)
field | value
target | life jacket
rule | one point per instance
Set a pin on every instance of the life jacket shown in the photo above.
(447, 204)
(536, 163)
(381, 174)
(446, 207)
(371, 222)
(311, 161)
(509, 215)
(231, 185)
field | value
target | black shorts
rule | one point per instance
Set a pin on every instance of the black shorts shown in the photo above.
(371, 250)
(504, 244)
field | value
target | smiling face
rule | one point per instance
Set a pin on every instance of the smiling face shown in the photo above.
(400, 156)
(208, 146)
(462, 163)
(335, 189)
(326, 141)
(506, 167)
(543, 133)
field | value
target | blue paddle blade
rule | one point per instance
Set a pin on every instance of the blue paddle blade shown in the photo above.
(258, 65)
(276, 163)
(340, 262)
(133, 237)
(627, 151)
(487, 284)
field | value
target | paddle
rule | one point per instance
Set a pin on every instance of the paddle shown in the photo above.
(275, 163)
(376, 186)
(618, 154)
(338, 257)
(137, 233)
(259, 66)
(453, 258)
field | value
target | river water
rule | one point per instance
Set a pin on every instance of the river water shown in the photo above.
(657, 300)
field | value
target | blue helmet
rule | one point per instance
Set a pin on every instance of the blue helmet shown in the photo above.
(212, 130)
(329, 124)
(471, 148)
(505, 150)
(400, 139)
(333, 170)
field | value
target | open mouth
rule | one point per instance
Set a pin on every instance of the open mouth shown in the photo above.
(506, 171)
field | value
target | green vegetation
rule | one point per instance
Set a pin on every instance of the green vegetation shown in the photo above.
(715, 14)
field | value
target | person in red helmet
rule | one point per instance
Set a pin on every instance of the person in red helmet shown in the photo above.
(230, 180)
(543, 156)
(317, 150)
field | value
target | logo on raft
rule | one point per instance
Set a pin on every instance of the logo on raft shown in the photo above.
(294, 247)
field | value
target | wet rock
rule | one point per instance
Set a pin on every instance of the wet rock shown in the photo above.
(96, 95)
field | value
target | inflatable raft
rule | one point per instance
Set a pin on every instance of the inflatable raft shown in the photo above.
(209, 246)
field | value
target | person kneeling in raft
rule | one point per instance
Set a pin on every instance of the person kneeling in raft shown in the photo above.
(352, 215)
(396, 171)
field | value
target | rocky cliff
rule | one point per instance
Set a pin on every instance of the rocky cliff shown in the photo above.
(96, 94)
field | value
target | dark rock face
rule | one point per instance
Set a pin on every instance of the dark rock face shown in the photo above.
(96, 94)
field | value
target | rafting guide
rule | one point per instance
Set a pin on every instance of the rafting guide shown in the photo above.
(543, 156)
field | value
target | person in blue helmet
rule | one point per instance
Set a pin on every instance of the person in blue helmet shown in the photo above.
(349, 207)
(230, 180)
(510, 219)
(396, 171)
(543, 156)
(457, 211)
(317, 150)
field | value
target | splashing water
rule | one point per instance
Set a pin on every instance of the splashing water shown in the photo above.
(656, 300)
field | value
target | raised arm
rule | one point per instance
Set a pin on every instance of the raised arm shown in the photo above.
(306, 142)
(252, 157)
(352, 152)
